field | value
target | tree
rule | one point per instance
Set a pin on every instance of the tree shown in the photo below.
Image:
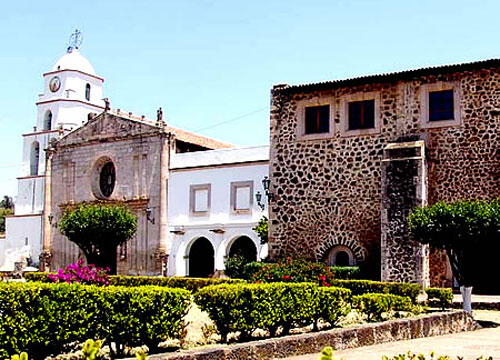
(465, 229)
(6, 208)
(262, 230)
(98, 230)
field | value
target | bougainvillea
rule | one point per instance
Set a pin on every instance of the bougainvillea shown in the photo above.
(79, 273)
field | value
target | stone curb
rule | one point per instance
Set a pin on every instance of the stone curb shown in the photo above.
(340, 339)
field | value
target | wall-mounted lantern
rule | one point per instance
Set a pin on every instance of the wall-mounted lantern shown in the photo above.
(266, 183)
(149, 215)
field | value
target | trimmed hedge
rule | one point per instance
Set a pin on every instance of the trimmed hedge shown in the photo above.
(374, 305)
(191, 284)
(42, 318)
(346, 272)
(442, 297)
(247, 307)
(360, 287)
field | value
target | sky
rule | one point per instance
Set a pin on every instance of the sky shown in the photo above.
(210, 64)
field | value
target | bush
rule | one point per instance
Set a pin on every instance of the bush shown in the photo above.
(442, 297)
(43, 318)
(191, 284)
(360, 287)
(432, 356)
(235, 265)
(374, 305)
(247, 307)
(294, 270)
(346, 272)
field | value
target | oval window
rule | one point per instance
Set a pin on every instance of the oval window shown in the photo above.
(107, 178)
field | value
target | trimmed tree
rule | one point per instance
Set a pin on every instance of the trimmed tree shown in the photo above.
(98, 230)
(465, 229)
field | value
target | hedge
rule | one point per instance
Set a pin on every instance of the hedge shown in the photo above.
(442, 297)
(247, 307)
(374, 305)
(359, 287)
(346, 272)
(187, 283)
(42, 318)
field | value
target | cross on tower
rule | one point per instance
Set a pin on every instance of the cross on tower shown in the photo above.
(75, 40)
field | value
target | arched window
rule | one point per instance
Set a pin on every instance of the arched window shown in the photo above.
(47, 120)
(87, 92)
(34, 158)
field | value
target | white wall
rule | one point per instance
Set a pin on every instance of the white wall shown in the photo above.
(219, 168)
(21, 230)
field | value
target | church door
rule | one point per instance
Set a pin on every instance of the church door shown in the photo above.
(201, 258)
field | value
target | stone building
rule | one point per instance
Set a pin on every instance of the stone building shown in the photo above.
(350, 158)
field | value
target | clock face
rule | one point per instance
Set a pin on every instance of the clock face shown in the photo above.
(54, 84)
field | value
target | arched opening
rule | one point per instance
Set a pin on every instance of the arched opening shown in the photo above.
(243, 246)
(201, 258)
(87, 92)
(340, 255)
(34, 158)
(47, 120)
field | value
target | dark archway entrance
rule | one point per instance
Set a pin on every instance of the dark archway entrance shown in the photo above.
(244, 246)
(201, 258)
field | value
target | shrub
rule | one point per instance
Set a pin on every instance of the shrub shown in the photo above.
(359, 287)
(43, 318)
(294, 270)
(191, 284)
(374, 305)
(247, 307)
(346, 272)
(77, 272)
(432, 356)
(442, 297)
(235, 265)
(334, 303)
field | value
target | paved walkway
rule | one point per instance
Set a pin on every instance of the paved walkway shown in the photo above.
(470, 345)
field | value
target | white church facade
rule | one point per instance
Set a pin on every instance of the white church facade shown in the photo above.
(187, 191)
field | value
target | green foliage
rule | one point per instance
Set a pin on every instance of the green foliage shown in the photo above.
(346, 272)
(326, 353)
(247, 307)
(432, 356)
(463, 228)
(360, 287)
(22, 356)
(91, 348)
(374, 305)
(7, 203)
(442, 297)
(141, 355)
(3, 214)
(98, 230)
(294, 270)
(262, 230)
(235, 265)
(42, 318)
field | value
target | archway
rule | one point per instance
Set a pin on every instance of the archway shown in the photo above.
(34, 158)
(243, 246)
(47, 120)
(340, 255)
(201, 258)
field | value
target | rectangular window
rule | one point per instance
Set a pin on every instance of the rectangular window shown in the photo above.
(241, 197)
(441, 105)
(317, 119)
(361, 114)
(199, 199)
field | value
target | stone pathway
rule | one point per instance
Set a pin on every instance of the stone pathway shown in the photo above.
(470, 345)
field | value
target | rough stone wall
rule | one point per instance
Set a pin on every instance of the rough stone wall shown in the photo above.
(137, 164)
(329, 190)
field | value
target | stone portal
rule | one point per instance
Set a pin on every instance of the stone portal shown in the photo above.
(404, 187)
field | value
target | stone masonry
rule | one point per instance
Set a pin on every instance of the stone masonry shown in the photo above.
(329, 188)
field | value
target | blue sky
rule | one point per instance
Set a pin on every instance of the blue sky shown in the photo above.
(207, 62)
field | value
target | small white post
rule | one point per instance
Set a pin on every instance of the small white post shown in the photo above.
(466, 292)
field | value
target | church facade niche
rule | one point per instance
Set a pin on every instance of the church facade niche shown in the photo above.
(87, 92)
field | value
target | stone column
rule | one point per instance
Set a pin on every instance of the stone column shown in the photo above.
(46, 255)
(162, 250)
(404, 187)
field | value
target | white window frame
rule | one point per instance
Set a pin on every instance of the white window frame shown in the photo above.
(344, 113)
(424, 104)
(192, 199)
(301, 118)
(241, 184)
